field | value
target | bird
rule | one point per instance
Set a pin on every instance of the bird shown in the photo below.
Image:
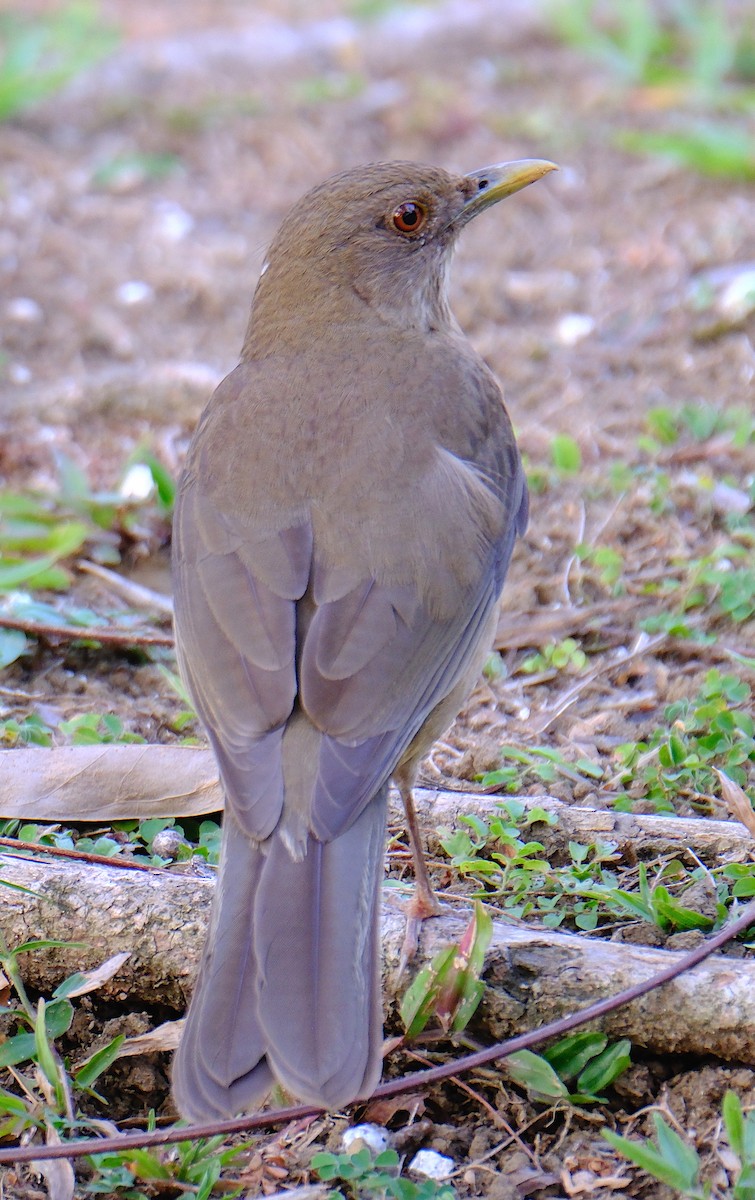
(344, 522)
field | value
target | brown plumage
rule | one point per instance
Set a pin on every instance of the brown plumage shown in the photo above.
(345, 521)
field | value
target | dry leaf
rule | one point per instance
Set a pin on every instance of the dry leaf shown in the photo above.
(737, 801)
(108, 783)
(56, 1172)
(380, 1112)
(164, 1037)
(91, 980)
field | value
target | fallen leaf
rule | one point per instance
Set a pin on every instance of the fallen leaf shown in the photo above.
(737, 801)
(91, 980)
(164, 1037)
(56, 1172)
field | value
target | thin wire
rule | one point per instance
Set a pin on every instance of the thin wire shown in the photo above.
(395, 1087)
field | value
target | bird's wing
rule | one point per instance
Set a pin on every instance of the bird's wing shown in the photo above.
(371, 649)
(379, 657)
(235, 597)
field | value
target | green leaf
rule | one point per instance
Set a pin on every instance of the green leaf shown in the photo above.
(536, 1074)
(645, 1155)
(58, 1017)
(17, 1049)
(146, 1165)
(731, 1110)
(46, 1057)
(675, 1150)
(713, 148)
(566, 454)
(670, 910)
(605, 1068)
(13, 643)
(419, 999)
(570, 1055)
(98, 1062)
(47, 943)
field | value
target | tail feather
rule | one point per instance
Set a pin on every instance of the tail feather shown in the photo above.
(289, 985)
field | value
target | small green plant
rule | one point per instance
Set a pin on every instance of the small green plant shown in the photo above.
(586, 1060)
(566, 454)
(450, 989)
(133, 837)
(40, 54)
(715, 730)
(606, 562)
(593, 886)
(719, 148)
(567, 655)
(365, 1175)
(515, 874)
(671, 1160)
(655, 903)
(97, 729)
(43, 1093)
(86, 729)
(190, 1169)
(129, 169)
(329, 87)
(699, 54)
(697, 46)
(538, 763)
(39, 532)
(187, 714)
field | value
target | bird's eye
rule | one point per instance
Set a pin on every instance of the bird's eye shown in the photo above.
(409, 217)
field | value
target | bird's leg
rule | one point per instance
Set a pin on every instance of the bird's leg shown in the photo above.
(424, 903)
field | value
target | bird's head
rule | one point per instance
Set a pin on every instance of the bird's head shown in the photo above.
(375, 238)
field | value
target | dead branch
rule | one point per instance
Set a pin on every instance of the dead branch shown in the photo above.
(90, 633)
(108, 783)
(533, 975)
(634, 836)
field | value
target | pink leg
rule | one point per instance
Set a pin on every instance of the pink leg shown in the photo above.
(424, 902)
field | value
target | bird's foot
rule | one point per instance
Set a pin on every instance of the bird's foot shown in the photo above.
(423, 904)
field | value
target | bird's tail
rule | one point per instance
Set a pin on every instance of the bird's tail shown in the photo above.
(288, 988)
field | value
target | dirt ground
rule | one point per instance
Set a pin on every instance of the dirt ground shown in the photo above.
(135, 208)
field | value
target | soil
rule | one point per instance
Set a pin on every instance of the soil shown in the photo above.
(134, 213)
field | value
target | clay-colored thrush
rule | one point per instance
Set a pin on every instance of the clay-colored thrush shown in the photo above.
(345, 521)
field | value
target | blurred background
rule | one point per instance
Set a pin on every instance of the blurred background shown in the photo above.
(148, 151)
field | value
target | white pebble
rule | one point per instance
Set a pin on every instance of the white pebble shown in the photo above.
(173, 222)
(738, 297)
(573, 327)
(138, 482)
(432, 1165)
(23, 309)
(18, 373)
(136, 291)
(374, 1137)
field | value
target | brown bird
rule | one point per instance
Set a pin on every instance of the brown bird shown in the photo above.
(345, 520)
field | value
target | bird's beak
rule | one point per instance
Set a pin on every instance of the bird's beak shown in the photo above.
(492, 184)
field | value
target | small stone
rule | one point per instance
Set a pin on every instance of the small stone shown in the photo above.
(738, 297)
(173, 222)
(573, 327)
(135, 291)
(24, 310)
(167, 843)
(432, 1165)
(138, 483)
(374, 1137)
(18, 373)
